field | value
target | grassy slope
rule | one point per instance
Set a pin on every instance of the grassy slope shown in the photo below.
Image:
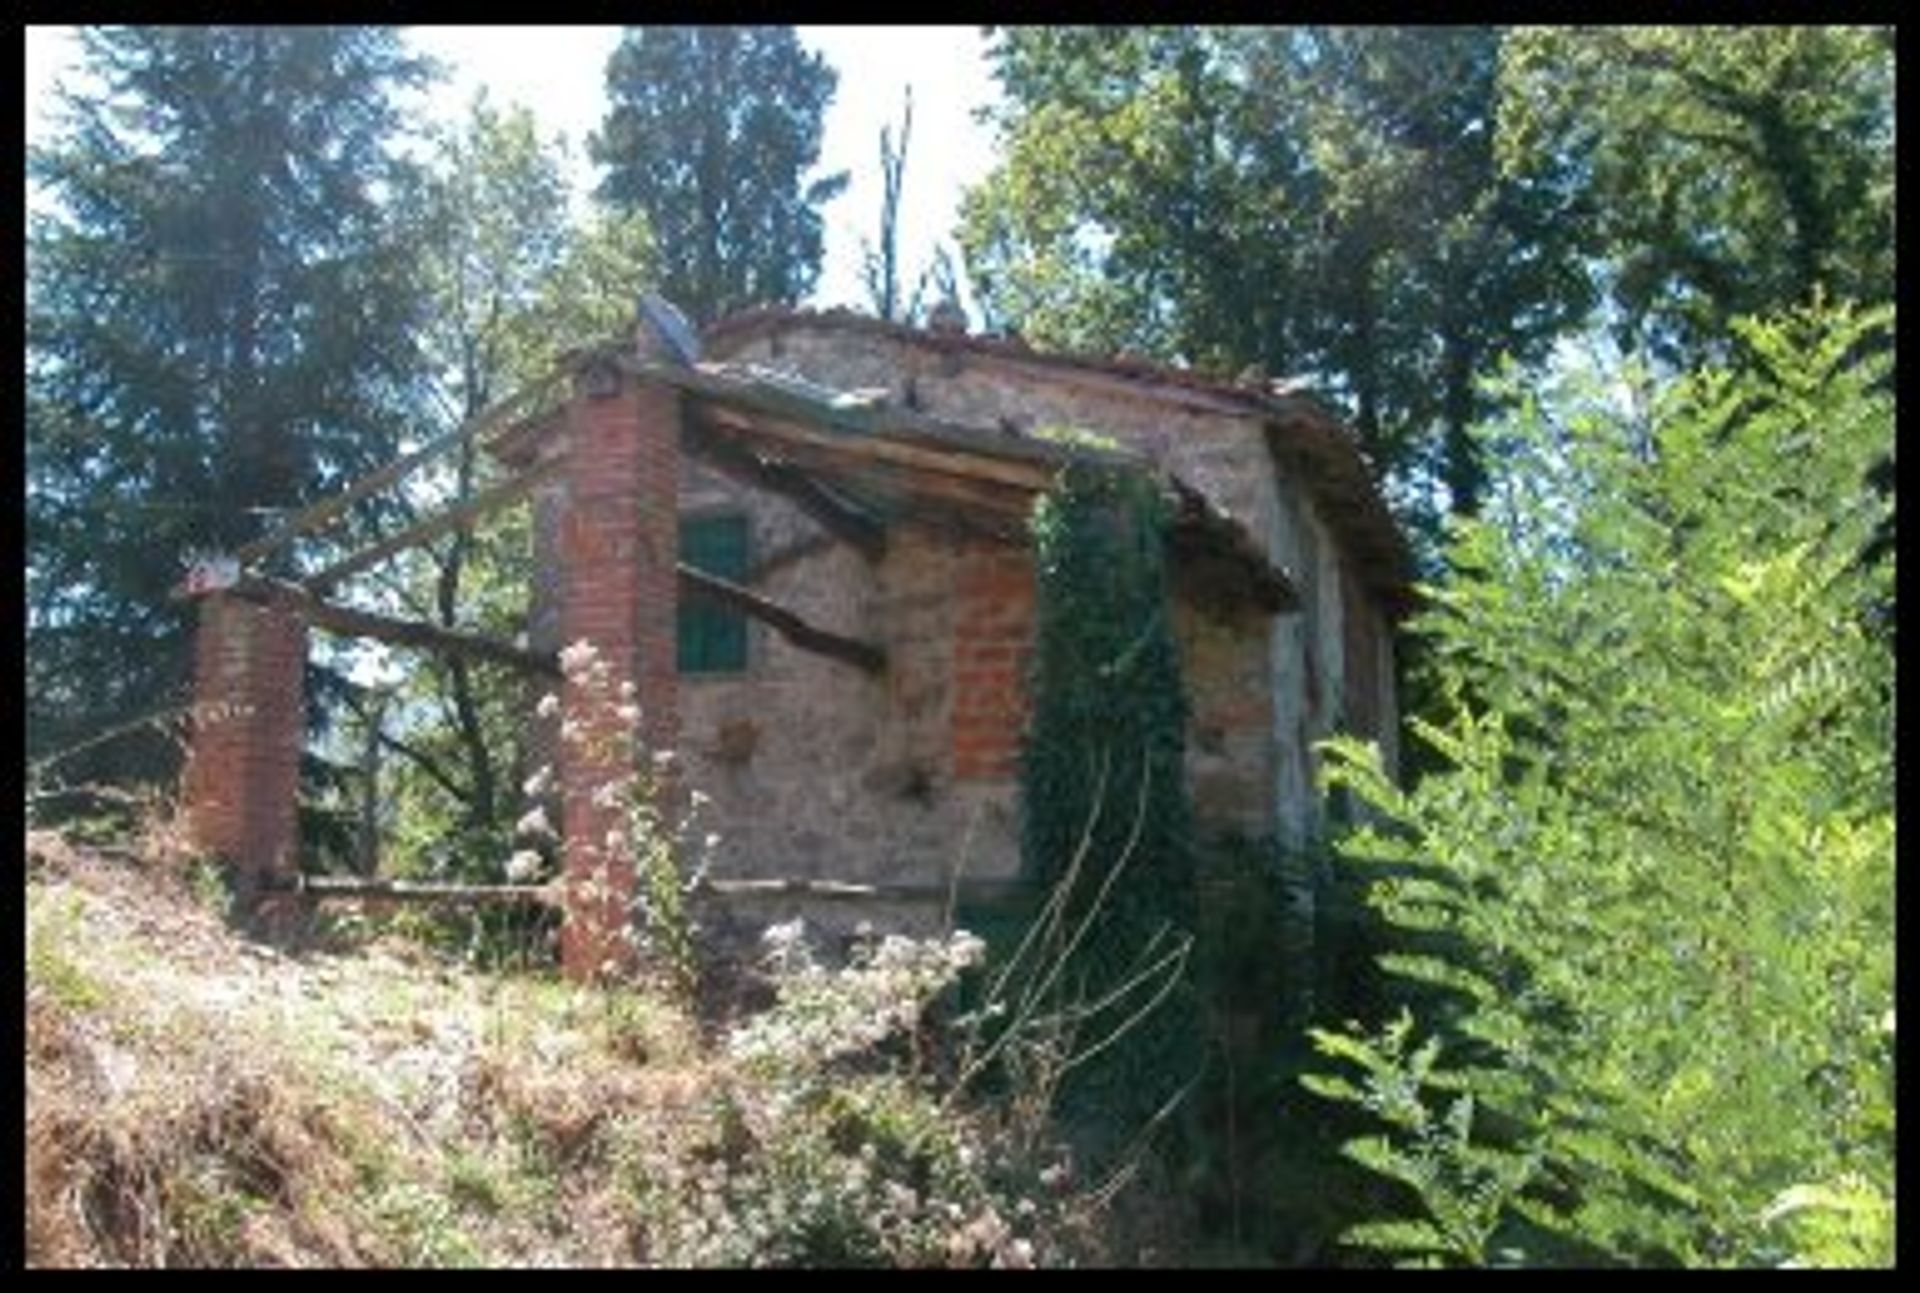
(193, 1099)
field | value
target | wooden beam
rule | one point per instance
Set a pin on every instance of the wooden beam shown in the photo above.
(863, 655)
(987, 891)
(356, 623)
(895, 434)
(456, 517)
(756, 390)
(845, 520)
(326, 509)
(896, 468)
(330, 886)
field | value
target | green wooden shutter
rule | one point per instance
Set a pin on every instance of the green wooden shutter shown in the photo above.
(713, 639)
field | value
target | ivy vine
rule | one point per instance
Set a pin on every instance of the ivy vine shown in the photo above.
(1103, 772)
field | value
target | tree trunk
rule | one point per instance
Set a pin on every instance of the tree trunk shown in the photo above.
(1464, 472)
(473, 741)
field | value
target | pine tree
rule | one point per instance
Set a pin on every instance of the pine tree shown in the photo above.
(711, 134)
(220, 320)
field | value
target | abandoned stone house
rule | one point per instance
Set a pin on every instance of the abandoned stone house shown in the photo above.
(808, 553)
(873, 480)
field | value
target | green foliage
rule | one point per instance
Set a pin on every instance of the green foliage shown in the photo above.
(1846, 1224)
(1105, 816)
(710, 133)
(513, 283)
(220, 316)
(1463, 1187)
(1724, 170)
(1300, 199)
(1658, 867)
(53, 926)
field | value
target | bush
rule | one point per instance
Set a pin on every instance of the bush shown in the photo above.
(1657, 872)
(830, 1143)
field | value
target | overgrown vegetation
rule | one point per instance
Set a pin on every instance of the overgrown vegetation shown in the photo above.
(1655, 881)
(193, 1100)
(1635, 1002)
(1105, 817)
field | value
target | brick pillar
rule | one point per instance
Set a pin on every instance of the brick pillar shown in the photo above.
(241, 785)
(993, 640)
(618, 547)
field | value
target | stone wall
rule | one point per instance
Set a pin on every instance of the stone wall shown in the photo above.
(810, 768)
(1262, 689)
(814, 769)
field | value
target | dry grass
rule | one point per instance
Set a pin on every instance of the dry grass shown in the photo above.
(196, 1100)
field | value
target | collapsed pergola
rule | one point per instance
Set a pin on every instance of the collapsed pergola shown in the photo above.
(609, 429)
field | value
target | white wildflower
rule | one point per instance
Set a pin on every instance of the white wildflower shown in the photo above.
(628, 713)
(608, 794)
(627, 690)
(523, 866)
(534, 824)
(549, 705)
(712, 840)
(538, 784)
(966, 949)
(578, 655)
(662, 758)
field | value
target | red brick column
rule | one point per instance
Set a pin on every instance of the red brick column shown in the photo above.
(992, 642)
(241, 785)
(619, 549)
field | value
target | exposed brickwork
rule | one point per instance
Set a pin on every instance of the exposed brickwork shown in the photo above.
(992, 641)
(241, 784)
(618, 546)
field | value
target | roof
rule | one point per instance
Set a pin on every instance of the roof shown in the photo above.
(1305, 436)
(855, 461)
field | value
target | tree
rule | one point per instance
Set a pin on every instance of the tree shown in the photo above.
(881, 261)
(513, 283)
(492, 225)
(1656, 880)
(710, 134)
(1291, 200)
(220, 326)
(1728, 171)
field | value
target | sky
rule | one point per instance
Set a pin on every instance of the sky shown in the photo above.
(557, 72)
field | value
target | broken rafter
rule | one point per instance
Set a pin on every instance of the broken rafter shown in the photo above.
(310, 518)
(844, 519)
(943, 459)
(356, 623)
(864, 655)
(894, 468)
(456, 517)
(879, 429)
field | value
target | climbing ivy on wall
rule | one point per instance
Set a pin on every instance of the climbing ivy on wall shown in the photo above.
(1103, 776)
